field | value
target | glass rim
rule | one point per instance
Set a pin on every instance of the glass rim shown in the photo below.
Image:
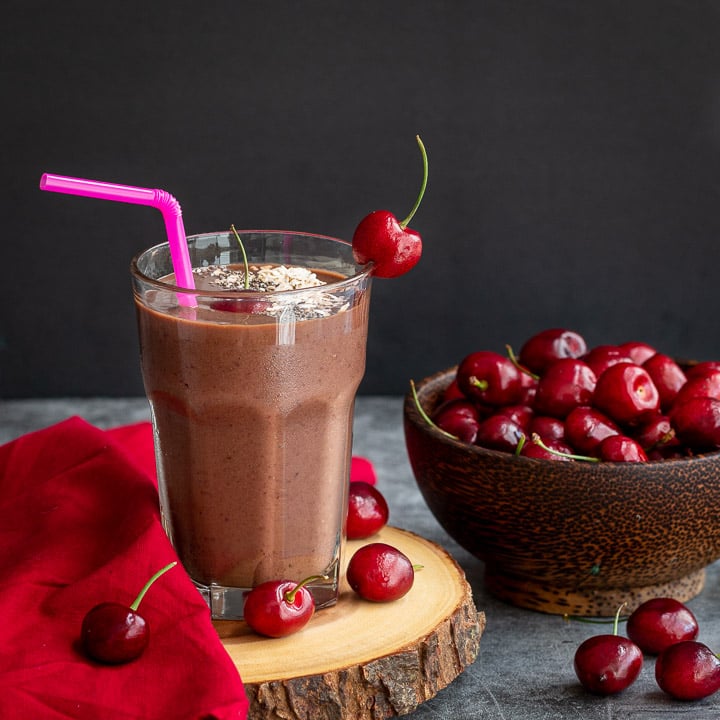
(364, 271)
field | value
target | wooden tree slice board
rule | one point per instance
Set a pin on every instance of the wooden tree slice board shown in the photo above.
(360, 660)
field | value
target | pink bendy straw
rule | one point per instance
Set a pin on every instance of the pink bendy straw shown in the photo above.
(159, 199)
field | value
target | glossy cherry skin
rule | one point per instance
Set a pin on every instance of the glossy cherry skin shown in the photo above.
(519, 414)
(601, 357)
(706, 384)
(659, 623)
(499, 432)
(534, 450)
(656, 433)
(274, 610)
(489, 378)
(459, 417)
(697, 422)
(667, 376)
(548, 428)
(688, 671)
(607, 664)
(544, 348)
(626, 393)
(620, 448)
(381, 239)
(566, 384)
(113, 633)
(380, 572)
(702, 368)
(586, 427)
(638, 352)
(367, 511)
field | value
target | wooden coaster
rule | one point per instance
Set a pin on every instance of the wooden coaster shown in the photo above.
(358, 659)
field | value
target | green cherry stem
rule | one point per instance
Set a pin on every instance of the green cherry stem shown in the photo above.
(245, 260)
(514, 360)
(586, 458)
(290, 594)
(407, 220)
(147, 585)
(424, 415)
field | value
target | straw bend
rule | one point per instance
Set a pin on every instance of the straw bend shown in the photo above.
(165, 202)
(159, 199)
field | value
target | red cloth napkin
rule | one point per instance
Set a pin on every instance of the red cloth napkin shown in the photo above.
(79, 525)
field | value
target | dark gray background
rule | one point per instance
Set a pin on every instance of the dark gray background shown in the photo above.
(573, 166)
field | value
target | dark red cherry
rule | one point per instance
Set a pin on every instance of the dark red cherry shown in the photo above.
(278, 608)
(367, 511)
(607, 664)
(566, 384)
(702, 368)
(543, 349)
(660, 622)
(639, 352)
(667, 376)
(545, 451)
(620, 448)
(520, 414)
(601, 357)
(489, 378)
(697, 422)
(114, 633)
(626, 393)
(499, 432)
(586, 427)
(706, 384)
(390, 244)
(380, 572)
(688, 670)
(459, 417)
(249, 305)
(547, 427)
(656, 433)
(453, 392)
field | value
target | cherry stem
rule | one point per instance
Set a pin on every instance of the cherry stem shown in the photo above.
(617, 618)
(147, 585)
(514, 360)
(407, 220)
(586, 458)
(521, 444)
(479, 384)
(245, 260)
(290, 594)
(425, 416)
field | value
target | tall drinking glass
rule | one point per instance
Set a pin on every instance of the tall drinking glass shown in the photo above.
(252, 397)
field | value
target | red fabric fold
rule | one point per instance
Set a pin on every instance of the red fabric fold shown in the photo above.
(79, 525)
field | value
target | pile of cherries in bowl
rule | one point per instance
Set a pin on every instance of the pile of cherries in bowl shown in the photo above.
(560, 400)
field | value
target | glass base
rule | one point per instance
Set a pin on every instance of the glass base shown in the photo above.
(227, 603)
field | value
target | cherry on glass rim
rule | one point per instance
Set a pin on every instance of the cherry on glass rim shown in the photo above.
(390, 244)
(113, 633)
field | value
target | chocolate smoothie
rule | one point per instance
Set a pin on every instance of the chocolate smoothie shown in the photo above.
(252, 406)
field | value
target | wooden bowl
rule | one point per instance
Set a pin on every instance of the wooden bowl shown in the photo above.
(571, 538)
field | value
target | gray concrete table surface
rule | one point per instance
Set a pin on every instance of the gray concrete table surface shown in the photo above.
(525, 667)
